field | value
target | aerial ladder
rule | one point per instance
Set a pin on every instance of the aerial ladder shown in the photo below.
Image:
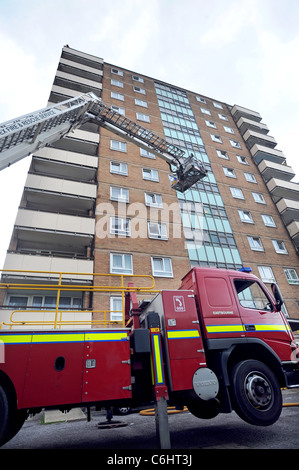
(24, 135)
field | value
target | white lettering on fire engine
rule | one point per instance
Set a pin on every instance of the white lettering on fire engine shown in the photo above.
(223, 312)
(179, 303)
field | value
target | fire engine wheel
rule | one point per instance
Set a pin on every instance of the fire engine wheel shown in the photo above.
(204, 409)
(11, 419)
(256, 393)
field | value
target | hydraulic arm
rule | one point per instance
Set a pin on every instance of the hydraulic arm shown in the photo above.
(26, 134)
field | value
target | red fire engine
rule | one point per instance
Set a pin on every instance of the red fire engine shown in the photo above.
(219, 343)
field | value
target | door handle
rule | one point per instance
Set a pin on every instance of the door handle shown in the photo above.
(249, 327)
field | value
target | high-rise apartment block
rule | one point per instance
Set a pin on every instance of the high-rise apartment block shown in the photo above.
(95, 203)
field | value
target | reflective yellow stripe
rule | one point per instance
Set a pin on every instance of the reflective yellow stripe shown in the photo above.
(225, 328)
(157, 359)
(58, 338)
(15, 339)
(183, 334)
(113, 336)
(270, 327)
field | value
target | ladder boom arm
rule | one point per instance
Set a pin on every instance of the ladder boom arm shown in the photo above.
(26, 134)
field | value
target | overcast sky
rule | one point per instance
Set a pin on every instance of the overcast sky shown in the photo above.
(242, 52)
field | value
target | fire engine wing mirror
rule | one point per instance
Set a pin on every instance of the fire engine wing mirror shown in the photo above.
(277, 296)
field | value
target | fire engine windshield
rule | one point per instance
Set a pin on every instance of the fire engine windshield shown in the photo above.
(251, 295)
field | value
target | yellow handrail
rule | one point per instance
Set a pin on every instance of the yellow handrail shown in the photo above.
(62, 284)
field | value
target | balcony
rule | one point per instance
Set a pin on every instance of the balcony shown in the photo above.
(245, 124)
(275, 170)
(251, 138)
(260, 152)
(289, 210)
(36, 230)
(79, 141)
(83, 71)
(59, 195)
(77, 83)
(239, 111)
(283, 189)
(293, 229)
(63, 169)
(82, 58)
(50, 266)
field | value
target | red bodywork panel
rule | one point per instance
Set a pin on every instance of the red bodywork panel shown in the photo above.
(50, 368)
(223, 316)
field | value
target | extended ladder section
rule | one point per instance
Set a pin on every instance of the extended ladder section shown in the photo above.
(26, 134)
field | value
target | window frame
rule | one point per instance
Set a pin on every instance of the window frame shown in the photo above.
(162, 273)
(122, 270)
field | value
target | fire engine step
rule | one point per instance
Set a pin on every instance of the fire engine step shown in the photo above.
(56, 416)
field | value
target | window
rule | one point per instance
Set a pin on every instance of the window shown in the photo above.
(157, 230)
(222, 154)
(211, 124)
(138, 79)
(229, 172)
(117, 72)
(121, 263)
(119, 194)
(16, 301)
(200, 99)
(216, 138)
(149, 174)
(118, 109)
(143, 117)
(139, 90)
(235, 144)
(140, 103)
(218, 105)
(268, 220)
(251, 295)
(230, 130)
(242, 160)
(120, 226)
(266, 274)
(237, 193)
(152, 199)
(245, 216)
(162, 267)
(223, 117)
(118, 146)
(250, 177)
(116, 309)
(117, 83)
(291, 276)
(205, 111)
(279, 247)
(119, 168)
(259, 198)
(255, 243)
(147, 154)
(117, 96)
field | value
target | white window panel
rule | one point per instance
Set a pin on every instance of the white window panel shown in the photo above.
(222, 154)
(137, 89)
(245, 216)
(117, 83)
(205, 111)
(291, 276)
(119, 168)
(121, 263)
(117, 72)
(138, 79)
(117, 96)
(118, 110)
(279, 247)
(235, 144)
(266, 274)
(116, 309)
(250, 177)
(139, 102)
(120, 226)
(237, 193)
(268, 220)
(229, 172)
(143, 117)
(242, 160)
(223, 117)
(150, 174)
(154, 200)
(119, 194)
(118, 145)
(259, 198)
(230, 130)
(157, 230)
(162, 267)
(255, 243)
(218, 105)
(146, 154)
(216, 138)
(211, 124)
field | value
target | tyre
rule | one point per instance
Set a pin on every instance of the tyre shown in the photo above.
(204, 409)
(11, 419)
(256, 393)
